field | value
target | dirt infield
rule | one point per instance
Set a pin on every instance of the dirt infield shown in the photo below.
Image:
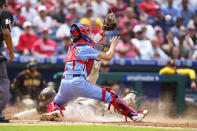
(154, 119)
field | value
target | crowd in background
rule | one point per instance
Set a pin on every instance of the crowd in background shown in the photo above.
(42, 27)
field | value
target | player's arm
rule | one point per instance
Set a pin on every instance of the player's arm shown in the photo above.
(167, 71)
(8, 40)
(7, 20)
(110, 53)
(192, 75)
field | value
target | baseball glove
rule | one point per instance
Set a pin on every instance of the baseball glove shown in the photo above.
(110, 22)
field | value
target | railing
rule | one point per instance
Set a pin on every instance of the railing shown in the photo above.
(114, 61)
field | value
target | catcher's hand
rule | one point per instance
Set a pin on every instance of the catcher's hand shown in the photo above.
(110, 22)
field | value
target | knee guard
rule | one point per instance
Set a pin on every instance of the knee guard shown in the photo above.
(104, 89)
(121, 106)
(52, 106)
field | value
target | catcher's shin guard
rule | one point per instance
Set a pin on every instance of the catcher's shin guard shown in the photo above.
(52, 106)
(121, 106)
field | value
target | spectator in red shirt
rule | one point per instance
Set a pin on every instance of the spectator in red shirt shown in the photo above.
(26, 39)
(44, 46)
(126, 49)
(148, 7)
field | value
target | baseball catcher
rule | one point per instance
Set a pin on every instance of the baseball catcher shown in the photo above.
(78, 65)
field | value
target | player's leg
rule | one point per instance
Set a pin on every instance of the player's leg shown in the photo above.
(64, 95)
(65, 92)
(90, 90)
(4, 90)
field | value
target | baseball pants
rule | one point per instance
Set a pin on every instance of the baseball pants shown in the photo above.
(73, 87)
(4, 86)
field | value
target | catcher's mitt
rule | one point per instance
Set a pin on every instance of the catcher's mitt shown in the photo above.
(110, 22)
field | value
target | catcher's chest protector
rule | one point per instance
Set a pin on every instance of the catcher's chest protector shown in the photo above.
(72, 57)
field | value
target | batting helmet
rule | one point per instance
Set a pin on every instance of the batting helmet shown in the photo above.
(47, 94)
(79, 31)
(2, 2)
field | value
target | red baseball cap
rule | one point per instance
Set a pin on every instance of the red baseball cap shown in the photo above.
(44, 30)
(21, 19)
(69, 17)
(19, 6)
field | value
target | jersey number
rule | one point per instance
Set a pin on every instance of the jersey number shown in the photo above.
(8, 22)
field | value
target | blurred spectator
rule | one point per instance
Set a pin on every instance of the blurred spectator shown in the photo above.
(169, 42)
(16, 32)
(148, 7)
(133, 4)
(79, 8)
(128, 21)
(49, 4)
(192, 34)
(193, 22)
(33, 2)
(18, 18)
(100, 8)
(64, 29)
(125, 48)
(44, 46)
(172, 11)
(26, 39)
(176, 27)
(86, 19)
(28, 83)
(184, 46)
(187, 41)
(142, 44)
(42, 20)
(192, 4)
(186, 14)
(159, 35)
(175, 53)
(118, 8)
(160, 21)
(127, 11)
(148, 29)
(12, 5)
(62, 48)
(156, 52)
(28, 11)
(59, 16)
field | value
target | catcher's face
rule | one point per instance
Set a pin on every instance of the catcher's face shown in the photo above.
(88, 33)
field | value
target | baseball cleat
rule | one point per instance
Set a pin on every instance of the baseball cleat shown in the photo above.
(52, 116)
(140, 116)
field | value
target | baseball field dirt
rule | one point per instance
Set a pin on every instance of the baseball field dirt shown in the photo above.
(155, 119)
